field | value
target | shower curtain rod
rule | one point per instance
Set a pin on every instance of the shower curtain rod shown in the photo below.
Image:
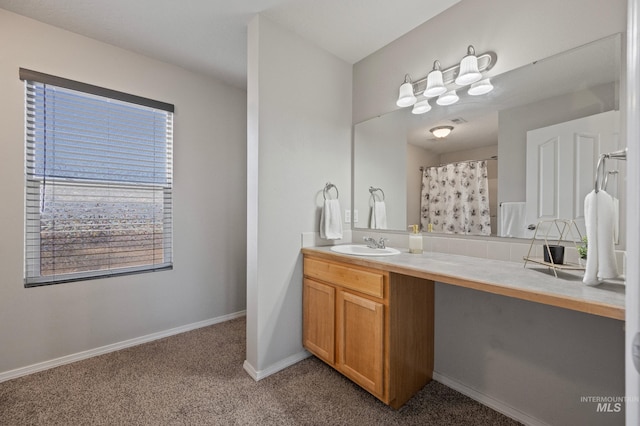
(495, 157)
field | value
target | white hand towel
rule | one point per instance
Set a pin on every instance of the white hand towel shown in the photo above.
(600, 224)
(616, 218)
(379, 215)
(513, 219)
(331, 221)
(607, 266)
(590, 217)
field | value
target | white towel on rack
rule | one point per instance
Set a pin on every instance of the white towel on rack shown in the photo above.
(513, 219)
(378, 215)
(599, 220)
(331, 221)
(616, 219)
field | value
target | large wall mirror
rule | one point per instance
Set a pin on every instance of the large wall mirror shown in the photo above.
(392, 151)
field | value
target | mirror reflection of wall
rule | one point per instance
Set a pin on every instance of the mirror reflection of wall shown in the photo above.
(381, 164)
(390, 149)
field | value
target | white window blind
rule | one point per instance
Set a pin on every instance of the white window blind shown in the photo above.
(99, 179)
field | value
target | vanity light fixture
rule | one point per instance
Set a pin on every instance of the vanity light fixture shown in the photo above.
(480, 87)
(448, 98)
(421, 107)
(435, 84)
(444, 83)
(406, 97)
(441, 131)
(469, 72)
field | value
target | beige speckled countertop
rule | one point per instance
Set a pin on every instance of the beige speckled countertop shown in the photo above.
(535, 283)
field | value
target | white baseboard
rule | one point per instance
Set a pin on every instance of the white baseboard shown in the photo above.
(274, 368)
(67, 359)
(489, 401)
(257, 375)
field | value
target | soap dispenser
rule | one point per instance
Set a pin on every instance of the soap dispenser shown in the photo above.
(415, 240)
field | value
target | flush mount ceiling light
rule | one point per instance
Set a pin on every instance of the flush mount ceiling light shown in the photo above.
(444, 83)
(441, 131)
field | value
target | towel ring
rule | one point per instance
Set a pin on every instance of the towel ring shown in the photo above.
(327, 188)
(372, 190)
(606, 178)
(602, 170)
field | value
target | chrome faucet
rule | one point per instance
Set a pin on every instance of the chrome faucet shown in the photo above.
(372, 243)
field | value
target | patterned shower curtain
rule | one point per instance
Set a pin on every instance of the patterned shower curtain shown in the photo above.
(455, 198)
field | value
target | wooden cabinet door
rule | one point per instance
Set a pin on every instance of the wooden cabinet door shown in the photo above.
(318, 330)
(361, 341)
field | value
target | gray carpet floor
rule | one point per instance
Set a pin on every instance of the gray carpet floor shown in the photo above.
(196, 378)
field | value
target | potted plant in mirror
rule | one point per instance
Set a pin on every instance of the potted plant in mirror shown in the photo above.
(582, 252)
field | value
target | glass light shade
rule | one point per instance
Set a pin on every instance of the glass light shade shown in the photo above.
(448, 98)
(441, 132)
(481, 87)
(435, 85)
(468, 72)
(421, 107)
(406, 97)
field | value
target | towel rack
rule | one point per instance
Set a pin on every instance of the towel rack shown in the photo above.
(327, 188)
(601, 167)
(372, 190)
(606, 178)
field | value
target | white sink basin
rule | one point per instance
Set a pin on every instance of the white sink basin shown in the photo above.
(363, 250)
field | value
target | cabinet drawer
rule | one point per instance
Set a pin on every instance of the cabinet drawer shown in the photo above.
(367, 282)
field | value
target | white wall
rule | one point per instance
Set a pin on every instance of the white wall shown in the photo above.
(299, 138)
(632, 125)
(208, 279)
(533, 359)
(519, 32)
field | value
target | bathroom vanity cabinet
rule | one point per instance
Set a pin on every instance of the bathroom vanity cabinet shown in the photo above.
(373, 326)
(372, 319)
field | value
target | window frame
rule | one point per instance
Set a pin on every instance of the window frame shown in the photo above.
(33, 263)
